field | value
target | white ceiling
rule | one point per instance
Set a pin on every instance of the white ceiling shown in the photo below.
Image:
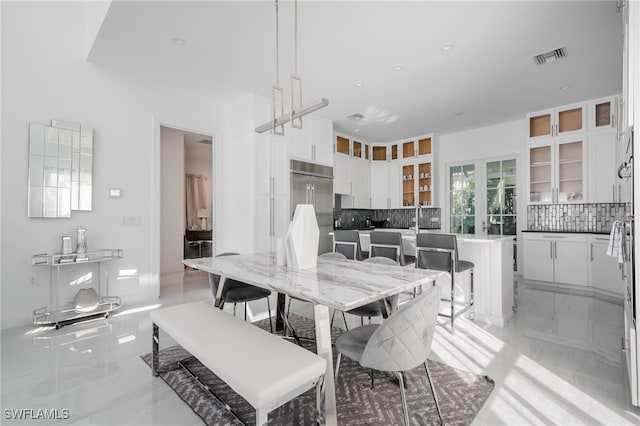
(488, 77)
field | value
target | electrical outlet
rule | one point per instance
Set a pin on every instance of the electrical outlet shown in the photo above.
(32, 282)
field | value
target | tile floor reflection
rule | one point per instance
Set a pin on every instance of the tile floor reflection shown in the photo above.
(558, 361)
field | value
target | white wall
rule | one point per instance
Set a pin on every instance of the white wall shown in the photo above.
(172, 199)
(44, 77)
(234, 185)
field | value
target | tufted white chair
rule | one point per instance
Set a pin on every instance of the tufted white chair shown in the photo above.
(401, 343)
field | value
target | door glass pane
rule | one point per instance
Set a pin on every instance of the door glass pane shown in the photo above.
(462, 198)
(501, 197)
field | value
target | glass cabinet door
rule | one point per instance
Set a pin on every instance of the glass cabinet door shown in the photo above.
(408, 185)
(540, 125)
(540, 174)
(357, 149)
(570, 167)
(569, 120)
(342, 145)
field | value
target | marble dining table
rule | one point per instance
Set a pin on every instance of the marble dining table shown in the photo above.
(333, 284)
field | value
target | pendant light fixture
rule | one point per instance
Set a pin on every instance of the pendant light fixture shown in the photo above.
(279, 118)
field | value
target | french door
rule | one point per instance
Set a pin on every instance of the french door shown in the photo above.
(483, 197)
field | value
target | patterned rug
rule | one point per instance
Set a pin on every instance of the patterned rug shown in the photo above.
(461, 394)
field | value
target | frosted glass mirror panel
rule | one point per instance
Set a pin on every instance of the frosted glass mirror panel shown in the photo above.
(60, 169)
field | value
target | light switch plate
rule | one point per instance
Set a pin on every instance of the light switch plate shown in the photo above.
(115, 193)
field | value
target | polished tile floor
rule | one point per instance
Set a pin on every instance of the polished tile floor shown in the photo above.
(558, 361)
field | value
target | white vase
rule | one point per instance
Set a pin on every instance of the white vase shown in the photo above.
(302, 238)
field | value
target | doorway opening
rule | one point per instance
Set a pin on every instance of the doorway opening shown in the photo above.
(186, 208)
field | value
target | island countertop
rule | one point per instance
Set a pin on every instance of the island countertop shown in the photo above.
(410, 234)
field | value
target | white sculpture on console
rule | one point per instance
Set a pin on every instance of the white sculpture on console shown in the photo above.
(302, 238)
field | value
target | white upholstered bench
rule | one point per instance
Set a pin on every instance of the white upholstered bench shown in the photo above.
(261, 367)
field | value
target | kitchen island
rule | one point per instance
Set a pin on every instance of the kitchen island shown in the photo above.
(492, 256)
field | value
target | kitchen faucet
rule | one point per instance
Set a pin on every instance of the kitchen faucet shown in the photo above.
(419, 214)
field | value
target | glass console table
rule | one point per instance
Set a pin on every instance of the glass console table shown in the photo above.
(62, 314)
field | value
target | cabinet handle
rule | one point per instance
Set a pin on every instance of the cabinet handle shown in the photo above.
(551, 249)
(591, 252)
(624, 344)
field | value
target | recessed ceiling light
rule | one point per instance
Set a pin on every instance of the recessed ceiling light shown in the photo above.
(458, 114)
(359, 83)
(566, 87)
(447, 47)
(179, 41)
(356, 130)
(398, 67)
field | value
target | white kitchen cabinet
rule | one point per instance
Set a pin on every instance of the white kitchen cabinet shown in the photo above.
(395, 185)
(271, 182)
(341, 174)
(380, 185)
(556, 258)
(604, 270)
(557, 171)
(556, 122)
(538, 259)
(314, 142)
(360, 183)
(604, 185)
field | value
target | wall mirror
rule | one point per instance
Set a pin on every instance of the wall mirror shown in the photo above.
(60, 169)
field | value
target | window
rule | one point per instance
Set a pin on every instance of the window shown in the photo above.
(462, 199)
(501, 197)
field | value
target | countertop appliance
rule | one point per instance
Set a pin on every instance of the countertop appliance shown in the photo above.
(313, 184)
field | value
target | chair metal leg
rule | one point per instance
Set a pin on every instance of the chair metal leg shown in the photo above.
(245, 310)
(337, 368)
(473, 306)
(433, 391)
(289, 307)
(405, 409)
(453, 296)
(346, 326)
(333, 315)
(269, 311)
(234, 309)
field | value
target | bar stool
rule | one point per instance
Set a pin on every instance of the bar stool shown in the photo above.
(347, 243)
(388, 244)
(440, 252)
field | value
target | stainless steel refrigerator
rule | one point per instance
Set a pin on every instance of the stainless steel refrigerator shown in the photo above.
(313, 184)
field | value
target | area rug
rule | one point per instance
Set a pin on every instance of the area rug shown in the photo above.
(461, 394)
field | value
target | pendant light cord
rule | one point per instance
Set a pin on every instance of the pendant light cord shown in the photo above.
(295, 38)
(277, 48)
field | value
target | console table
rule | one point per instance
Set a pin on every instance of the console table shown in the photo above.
(62, 314)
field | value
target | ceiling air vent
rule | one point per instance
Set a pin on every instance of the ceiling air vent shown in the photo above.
(356, 117)
(550, 56)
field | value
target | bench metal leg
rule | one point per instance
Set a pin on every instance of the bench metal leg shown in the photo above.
(155, 361)
(208, 389)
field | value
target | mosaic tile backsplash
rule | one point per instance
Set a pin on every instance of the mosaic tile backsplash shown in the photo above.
(575, 217)
(387, 218)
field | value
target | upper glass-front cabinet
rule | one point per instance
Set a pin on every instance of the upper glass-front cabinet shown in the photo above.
(557, 172)
(604, 114)
(557, 122)
(342, 145)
